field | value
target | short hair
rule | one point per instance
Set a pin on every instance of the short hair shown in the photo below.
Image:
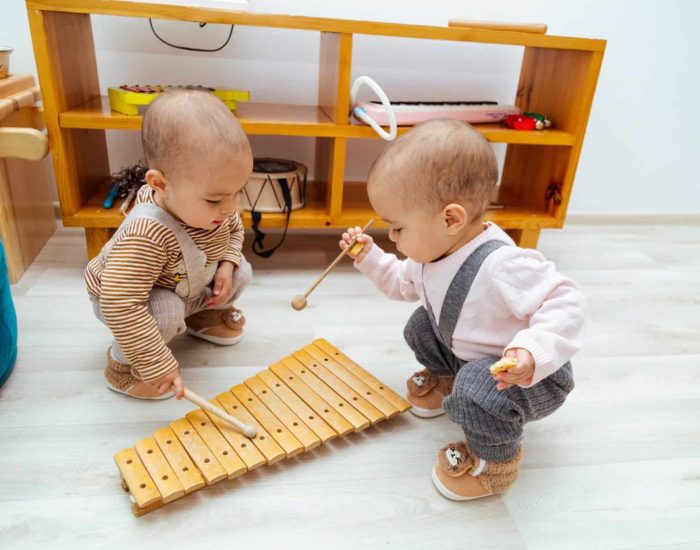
(183, 124)
(438, 162)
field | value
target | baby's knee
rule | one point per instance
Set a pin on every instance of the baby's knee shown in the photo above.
(243, 274)
(168, 311)
(242, 277)
(418, 328)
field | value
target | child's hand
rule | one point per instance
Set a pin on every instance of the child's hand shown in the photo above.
(365, 239)
(223, 284)
(165, 383)
(520, 374)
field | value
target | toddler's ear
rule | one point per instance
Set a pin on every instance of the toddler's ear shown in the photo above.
(456, 218)
(156, 180)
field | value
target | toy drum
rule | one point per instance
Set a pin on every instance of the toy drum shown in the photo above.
(268, 185)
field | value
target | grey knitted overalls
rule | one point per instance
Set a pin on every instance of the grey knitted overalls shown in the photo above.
(492, 420)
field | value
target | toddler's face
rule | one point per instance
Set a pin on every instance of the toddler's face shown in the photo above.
(419, 233)
(204, 197)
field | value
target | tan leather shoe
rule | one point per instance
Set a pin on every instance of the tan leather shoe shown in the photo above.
(119, 379)
(219, 326)
(458, 475)
(426, 392)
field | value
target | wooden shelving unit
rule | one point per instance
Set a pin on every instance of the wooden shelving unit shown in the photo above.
(558, 77)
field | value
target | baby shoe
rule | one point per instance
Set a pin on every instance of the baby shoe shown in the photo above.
(459, 475)
(426, 392)
(119, 379)
(219, 326)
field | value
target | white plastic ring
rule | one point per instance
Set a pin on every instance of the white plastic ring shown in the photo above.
(359, 112)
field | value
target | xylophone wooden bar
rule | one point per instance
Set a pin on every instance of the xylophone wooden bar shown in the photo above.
(310, 397)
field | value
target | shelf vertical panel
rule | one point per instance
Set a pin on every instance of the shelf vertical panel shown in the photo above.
(530, 172)
(334, 75)
(335, 64)
(65, 56)
(559, 83)
(330, 169)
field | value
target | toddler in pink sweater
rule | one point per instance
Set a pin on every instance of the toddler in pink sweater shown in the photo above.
(483, 298)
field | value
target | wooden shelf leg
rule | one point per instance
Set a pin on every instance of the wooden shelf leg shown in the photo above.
(525, 238)
(96, 238)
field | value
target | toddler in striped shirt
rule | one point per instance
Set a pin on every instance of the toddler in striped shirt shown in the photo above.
(175, 264)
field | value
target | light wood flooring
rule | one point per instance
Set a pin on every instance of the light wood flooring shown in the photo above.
(617, 467)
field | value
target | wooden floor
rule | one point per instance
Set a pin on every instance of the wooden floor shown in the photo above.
(617, 467)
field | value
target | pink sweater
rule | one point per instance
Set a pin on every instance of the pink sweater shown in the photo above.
(517, 300)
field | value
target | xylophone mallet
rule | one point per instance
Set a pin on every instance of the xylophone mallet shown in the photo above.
(245, 429)
(299, 301)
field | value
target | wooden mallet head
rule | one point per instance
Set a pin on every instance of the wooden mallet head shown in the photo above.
(299, 301)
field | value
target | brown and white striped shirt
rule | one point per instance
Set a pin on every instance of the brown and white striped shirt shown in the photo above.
(145, 255)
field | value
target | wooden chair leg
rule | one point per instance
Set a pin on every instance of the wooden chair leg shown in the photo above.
(525, 238)
(96, 238)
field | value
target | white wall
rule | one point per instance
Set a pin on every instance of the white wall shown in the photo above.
(642, 134)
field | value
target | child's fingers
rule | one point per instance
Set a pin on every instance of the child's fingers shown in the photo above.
(218, 285)
(179, 386)
(514, 373)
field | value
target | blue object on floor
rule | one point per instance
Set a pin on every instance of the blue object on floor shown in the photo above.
(8, 323)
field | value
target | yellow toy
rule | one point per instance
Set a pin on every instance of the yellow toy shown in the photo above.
(126, 99)
(503, 365)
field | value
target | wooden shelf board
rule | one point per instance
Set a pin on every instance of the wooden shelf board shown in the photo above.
(292, 120)
(510, 217)
(209, 15)
(93, 214)
(256, 118)
(356, 211)
(495, 133)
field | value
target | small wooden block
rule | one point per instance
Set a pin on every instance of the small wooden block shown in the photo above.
(353, 381)
(224, 453)
(356, 248)
(294, 424)
(378, 386)
(160, 471)
(364, 407)
(269, 421)
(263, 441)
(503, 365)
(298, 406)
(138, 512)
(320, 406)
(248, 452)
(137, 479)
(179, 460)
(202, 456)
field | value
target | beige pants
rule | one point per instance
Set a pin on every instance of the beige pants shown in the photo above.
(170, 311)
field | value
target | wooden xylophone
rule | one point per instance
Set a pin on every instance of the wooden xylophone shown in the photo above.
(310, 397)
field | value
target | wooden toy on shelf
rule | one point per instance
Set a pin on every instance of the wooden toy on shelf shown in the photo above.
(307, 398)
(126, 99)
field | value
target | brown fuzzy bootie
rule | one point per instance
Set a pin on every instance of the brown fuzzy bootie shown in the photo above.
(426, 392)
(459, 475)
(219, 326)
(119, 379)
